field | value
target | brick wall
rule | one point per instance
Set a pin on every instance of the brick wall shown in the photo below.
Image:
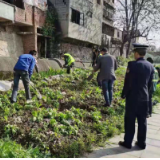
(29, 43)
(19, 15)
(24, 15)
(29, 13)
(40, 17)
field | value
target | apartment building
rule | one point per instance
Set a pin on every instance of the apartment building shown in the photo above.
(81, 24)
(20, 22)
(86, 23)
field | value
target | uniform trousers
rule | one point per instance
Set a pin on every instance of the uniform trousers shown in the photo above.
(138, 112)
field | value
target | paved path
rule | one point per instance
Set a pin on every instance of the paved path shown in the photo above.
(112, 150)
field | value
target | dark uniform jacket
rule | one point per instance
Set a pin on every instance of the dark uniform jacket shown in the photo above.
(138, 82)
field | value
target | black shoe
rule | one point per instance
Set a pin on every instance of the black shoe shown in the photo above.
(105, 105)
(148, 116)
(140, 146)
(123, 144)
(12, 101)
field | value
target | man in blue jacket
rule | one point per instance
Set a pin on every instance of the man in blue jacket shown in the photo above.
(24, 69)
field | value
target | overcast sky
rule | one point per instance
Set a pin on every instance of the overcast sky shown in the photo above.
(154, 39)
(154, 36)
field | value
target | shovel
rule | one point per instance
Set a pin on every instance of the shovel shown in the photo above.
(90, 77)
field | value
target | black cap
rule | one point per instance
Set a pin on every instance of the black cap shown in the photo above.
(140, 46)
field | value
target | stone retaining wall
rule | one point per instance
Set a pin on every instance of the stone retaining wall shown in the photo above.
(7, 65)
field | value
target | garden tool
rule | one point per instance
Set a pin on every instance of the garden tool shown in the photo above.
(90, 77)
(38, 93)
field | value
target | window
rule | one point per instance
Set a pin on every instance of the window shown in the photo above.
(99, 2)
(64, 1)
(77, 17)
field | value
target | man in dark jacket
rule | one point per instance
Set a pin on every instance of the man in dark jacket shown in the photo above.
(138, 81)
(24, 69)
(107, 65)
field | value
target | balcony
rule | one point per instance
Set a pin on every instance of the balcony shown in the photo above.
(109, 2)
(6, 12)
(107, 15)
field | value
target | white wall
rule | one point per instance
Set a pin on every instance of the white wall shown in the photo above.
(42, 4)
(116, 34)
(6, 11)
(92, 30)
(11, 44)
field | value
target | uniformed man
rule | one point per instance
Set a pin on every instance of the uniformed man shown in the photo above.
(138, 82)
(69, 62)
(153, 88)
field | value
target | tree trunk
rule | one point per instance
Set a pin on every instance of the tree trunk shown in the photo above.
(121, 49)
(128, 48)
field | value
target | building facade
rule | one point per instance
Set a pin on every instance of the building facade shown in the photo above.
(20, 22)
(88, 23)
(84, 24)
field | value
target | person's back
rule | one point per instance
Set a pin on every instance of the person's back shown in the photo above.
(24, 70)
(107, 67)
(141, 72)
(69, 62)
(24, 62)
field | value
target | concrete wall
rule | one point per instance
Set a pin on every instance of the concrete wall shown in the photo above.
(92, 29)
(6, 11)
(116, 31)
(7, 65)
(79, 52)
(63, 14)
(11, 44)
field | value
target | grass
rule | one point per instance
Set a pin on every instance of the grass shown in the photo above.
(66, 123)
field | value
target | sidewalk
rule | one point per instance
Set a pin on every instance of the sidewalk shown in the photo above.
(113, 150)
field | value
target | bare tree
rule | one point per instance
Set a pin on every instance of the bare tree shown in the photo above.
(137, 18)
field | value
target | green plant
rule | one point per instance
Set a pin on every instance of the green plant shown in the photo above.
(11, 129)
(10, 149)
(53, 125)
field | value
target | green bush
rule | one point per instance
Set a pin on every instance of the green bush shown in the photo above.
(10, 149)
